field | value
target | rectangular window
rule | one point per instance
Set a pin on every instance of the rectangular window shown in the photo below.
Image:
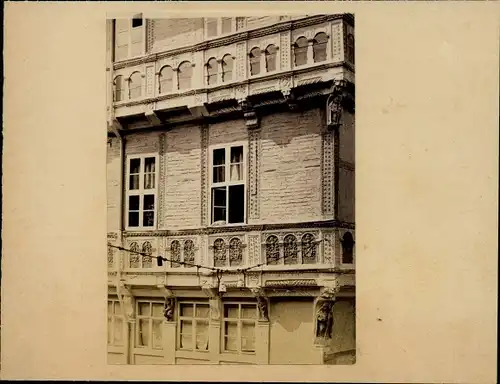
(211, 27)
(226, 25)
(148, 333)
(129, 37)
(228, 185)
(217, 26)
(193, 322)
(141, 191)
(240, 320)
(116, 324)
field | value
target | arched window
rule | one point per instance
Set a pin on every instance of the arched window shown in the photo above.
(347, 248)
(255, 61)
(185, 74)
(271, 58)
(227, 68)
(166, 79)
(189, 252)
(219, 253)
(147, 261)
(308, 249)
(291, 250)
(135, 87)
(300, 51)
(350, 48)
(212, 71)
(235, 252)
(175, 253)
(272, 250)
(319, 47)
(134, 257)
(119, 90)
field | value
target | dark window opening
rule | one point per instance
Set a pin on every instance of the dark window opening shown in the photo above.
(236, 203)
(137, 21)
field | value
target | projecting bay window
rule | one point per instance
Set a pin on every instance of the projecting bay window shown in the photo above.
(141, 190)
(240, 320)
(192, 327)
(228, 175)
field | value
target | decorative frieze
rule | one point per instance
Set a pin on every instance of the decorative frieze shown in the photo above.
(327, 170)
(285, 51)
(328, 247)
(253, 250)
(204, 175)
(254, 149)
(336, 41)
(241, 61)
(162, 170)
(150, 78)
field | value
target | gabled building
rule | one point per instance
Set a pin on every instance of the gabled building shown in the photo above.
(231, 155)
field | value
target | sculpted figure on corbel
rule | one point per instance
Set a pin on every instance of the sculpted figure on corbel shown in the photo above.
(262, 303)
(324, 311)
(169, 307)
(341, 98)
(251, 118)
(289, 99)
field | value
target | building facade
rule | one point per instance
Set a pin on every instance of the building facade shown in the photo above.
(231, 155)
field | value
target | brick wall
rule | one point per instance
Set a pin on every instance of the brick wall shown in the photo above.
(174, 33)
(113, 184)
(290, 168)
(227, 132)
(183, 178)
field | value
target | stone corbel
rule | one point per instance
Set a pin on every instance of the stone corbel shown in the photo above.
(249, 113)
(262, 303)
(152, 117)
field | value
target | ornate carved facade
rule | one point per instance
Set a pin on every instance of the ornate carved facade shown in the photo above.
(234, 185)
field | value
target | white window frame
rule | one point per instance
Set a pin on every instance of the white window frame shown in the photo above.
(141, 191)
(129, 53)
(150, 319)
(227, 183)
(194, 319)
(111, 329)
(240, 321)
(219, 27)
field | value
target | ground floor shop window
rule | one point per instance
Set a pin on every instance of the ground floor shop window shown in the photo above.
(240, 320)
(149, 324)
(192, 327)
(116, 324)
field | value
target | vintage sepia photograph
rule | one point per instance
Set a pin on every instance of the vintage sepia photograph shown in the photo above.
(230, 190)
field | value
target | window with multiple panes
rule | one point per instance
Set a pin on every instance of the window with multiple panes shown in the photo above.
(228, 185)
(192, 329)
(217, 26)
(129, 36)
(185, 73)
(255, 61)
(212, 71)
(166, 79)
(240, 320)
(118, 89)
(135, 85)
(148, 332)
(319, 47)
(300, 51)
(271, 51)
(141, 191)
(116, 324)
(227, 68)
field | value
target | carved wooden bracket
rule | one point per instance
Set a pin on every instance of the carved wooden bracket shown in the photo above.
(290, 99)
(262, 303)
(341, 97)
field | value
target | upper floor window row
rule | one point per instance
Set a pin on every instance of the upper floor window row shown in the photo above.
(129, 37)
(218, 26)
(220, 70)
(263, 61)
(306, 51)
(170, 79)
